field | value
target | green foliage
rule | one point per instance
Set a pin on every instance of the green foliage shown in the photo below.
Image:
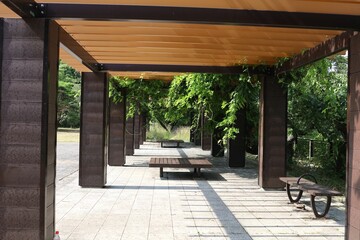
(141, 96)
(219, 96)
(317, 107)
(68, 114)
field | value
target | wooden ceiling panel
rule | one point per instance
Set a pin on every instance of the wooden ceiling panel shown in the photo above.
(314, 6)
(5, 12)
(169, 43)
(190, 44)
(72, 61)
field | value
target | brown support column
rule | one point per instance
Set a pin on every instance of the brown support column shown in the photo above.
(129, 137)
(272, 133)
(353, 147)
(205, 136)
(237, 146)
(142, 128)
(94, 129)
(29, 68)
(216, 149)
(137, 131)
(117, 146)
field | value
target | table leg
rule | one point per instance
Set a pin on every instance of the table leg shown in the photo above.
(161, 172)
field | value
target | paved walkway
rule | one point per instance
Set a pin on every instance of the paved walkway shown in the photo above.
(224, 204)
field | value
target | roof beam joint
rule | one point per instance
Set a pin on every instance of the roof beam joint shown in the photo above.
(37, 10)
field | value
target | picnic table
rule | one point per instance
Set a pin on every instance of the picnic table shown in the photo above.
(196, 163)
(170, 143)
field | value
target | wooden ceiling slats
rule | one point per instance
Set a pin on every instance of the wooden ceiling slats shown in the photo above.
(170, 43)
(188, 30)
(186, 61)
(198, 39)
(253, 44)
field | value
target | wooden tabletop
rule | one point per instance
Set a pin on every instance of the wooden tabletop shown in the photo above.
(180, 162)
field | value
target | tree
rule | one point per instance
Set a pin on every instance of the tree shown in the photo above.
(317, 107)
(141, 96)
(219, 96)
(68, 114)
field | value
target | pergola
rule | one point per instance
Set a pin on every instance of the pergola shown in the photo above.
(151, 39)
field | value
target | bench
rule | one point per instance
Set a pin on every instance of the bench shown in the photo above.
(196, 163)
(170, 143)
(303, 185)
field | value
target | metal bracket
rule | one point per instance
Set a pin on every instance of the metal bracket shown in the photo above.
(99, 66)
(37, 10)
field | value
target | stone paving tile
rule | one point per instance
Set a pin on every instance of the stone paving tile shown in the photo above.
(222, 204)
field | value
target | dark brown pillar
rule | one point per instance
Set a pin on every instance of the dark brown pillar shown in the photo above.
(237, 146)
(272, 133)
(93, 130)
(28, 90)
(205, 135)
(216, 149)
(117, 146)
(353, 147)
(137, 131)
(129, 136)
(142, 128)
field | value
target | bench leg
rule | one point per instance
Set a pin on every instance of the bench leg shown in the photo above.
(327, 207)
(161, 172)
(291, 199)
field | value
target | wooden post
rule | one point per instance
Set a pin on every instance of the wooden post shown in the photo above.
(94, 129)
(272, 133)
(137, 130)
(117, 143)
(205, 135)
(236, 147)
(28, 90)
(353, 146)
(129, 136)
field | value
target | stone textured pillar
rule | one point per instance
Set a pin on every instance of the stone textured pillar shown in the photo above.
(117, 146)
(272, 133)
(137, 131)
(94, 129)
(129, 137)
(237, 146)
(28, 95)
(353, 147)
(205, 135)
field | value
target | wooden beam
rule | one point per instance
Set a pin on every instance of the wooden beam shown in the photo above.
(325, 49)
(202, 15)
(23, 8)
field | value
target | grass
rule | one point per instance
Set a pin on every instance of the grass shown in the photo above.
(324, 177)
(68, 135)
(157, 133)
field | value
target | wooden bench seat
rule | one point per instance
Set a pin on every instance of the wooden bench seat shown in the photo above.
(170, 143)
(303, 185)
(196, 163)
